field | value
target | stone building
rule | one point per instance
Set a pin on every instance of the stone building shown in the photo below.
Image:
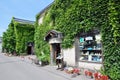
(86, 51)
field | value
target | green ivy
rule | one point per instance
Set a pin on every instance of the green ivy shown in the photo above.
(41, 47)
(24, 34)
(17, 36)
(111, 40)
(8, 43)
(74, 16)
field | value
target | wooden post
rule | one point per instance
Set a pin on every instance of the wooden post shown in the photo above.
(51, 55)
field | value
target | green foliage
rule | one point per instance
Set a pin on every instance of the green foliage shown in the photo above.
(85, 15)
(78, 16)
(111, 40)
(17, 36)
(41, 47)
(9, 40)
(44, 57)
(114, 19)
(73, 16)
(24, 34)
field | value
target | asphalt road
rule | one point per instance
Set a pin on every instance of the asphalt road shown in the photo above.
(12, 68)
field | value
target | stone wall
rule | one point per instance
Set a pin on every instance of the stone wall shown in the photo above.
(69, 56)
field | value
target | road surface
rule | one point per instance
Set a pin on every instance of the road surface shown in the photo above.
(13, 68)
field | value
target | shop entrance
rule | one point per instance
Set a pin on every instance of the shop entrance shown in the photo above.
(56, 51)
(54, 38)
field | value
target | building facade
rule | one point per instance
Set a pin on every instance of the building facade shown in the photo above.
(19, 37)
(86, 51)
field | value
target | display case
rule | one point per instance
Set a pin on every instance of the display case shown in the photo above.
(90, 48)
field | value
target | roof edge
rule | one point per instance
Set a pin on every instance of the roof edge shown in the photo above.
(23, 21)
(47, 7)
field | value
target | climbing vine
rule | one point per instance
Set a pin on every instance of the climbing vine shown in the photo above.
(8, 43)
(111, 40)
(24, 34)
(73, 16)
(17, 36)
(41, 47)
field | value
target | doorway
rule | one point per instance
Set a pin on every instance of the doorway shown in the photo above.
(56, 51)
(30, 48)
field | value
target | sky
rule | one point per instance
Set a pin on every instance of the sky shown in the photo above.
(23, 9)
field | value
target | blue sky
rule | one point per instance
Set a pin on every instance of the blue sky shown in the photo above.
(23, 9)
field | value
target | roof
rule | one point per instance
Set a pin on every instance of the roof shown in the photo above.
(22, 21)
(53, 33)
(42, 11)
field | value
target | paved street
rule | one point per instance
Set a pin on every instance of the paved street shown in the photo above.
(14, 68)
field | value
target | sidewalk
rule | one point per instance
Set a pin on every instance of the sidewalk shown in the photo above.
(52, 69)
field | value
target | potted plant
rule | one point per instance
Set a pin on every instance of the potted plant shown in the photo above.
(104, 77)
(96, 75)
(89, 73)
(99, 76)
(76, 70)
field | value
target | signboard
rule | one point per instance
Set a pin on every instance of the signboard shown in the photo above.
(55, 40)
(89, 38)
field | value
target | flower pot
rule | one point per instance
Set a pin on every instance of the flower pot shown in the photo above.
(77, 71)
(96, 75)
(104, 77)
(89, 74)
(86, 73)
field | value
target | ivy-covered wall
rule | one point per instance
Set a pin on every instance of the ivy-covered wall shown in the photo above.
(24, 33)
(111, 40)
(73, 16)
(42, 48)
(8, 40)
(17, 36)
